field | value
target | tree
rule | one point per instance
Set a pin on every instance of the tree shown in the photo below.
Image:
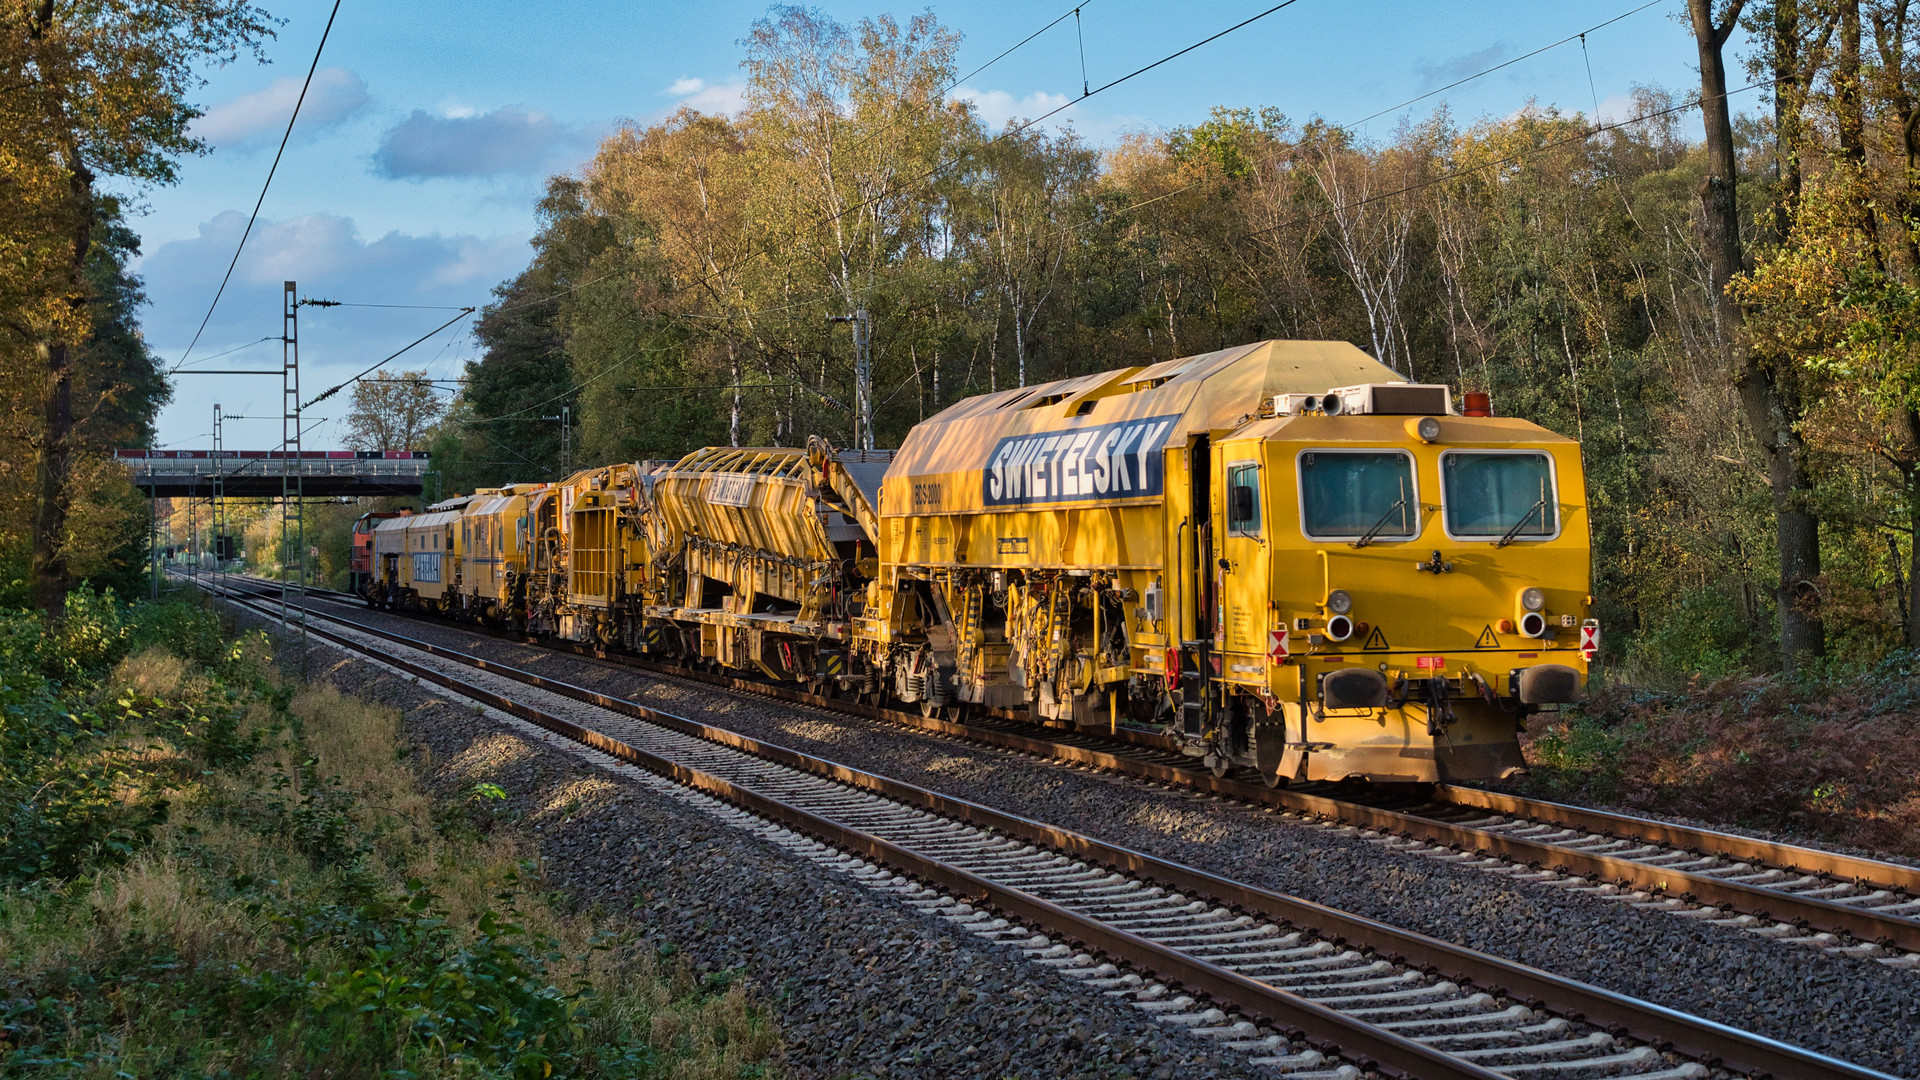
(1371, 230)
(1765, 381)
(1024, 196)
(684, 185)
(120, 386)
(392, 413)
(93, 90)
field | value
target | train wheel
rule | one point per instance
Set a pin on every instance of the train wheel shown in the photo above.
(928, 710)
(1218, 765)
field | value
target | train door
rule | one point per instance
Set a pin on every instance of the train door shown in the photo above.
(1243, 564)
(1245, 591)
(1200, 594)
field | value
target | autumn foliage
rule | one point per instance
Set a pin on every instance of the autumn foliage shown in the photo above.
(1837, 762)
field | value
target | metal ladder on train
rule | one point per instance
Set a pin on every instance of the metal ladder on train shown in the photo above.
(1194, 703)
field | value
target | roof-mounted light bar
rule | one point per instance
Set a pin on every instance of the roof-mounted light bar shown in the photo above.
(1377, 399)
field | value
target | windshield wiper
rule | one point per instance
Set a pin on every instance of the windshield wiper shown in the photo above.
(1522, 523)
(1367, 537)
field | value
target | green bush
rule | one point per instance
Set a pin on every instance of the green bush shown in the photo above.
(1702, 633)
(76, 790)
(392, 984)
(202, 875)
(1582, 747)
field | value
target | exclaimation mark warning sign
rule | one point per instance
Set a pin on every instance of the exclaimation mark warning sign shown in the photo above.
(1487, 640)
(1375, 640)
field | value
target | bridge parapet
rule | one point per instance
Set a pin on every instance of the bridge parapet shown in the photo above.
(253, 474)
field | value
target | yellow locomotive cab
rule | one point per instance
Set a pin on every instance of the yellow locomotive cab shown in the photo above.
(1389, 599)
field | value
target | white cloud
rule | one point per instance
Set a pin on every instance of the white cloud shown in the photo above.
(335, 95)
(1615, 108)
(510, 139)
(997, 108)
(329, 259)
(700, 95)
(327, 255)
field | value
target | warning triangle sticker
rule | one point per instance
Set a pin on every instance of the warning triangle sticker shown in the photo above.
(1375, 640)
(1487, 640)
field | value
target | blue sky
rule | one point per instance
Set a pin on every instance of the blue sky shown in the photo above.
(412, 175)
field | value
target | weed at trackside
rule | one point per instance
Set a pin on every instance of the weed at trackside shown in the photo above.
(206, 871)
(1833, 758)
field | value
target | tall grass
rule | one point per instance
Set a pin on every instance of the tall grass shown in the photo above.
(258, 884)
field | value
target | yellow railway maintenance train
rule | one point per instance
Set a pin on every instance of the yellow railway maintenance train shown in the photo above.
(1282, 555)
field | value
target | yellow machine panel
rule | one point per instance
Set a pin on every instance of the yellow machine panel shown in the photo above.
(431, 568)
(754, 537)
(493, 542)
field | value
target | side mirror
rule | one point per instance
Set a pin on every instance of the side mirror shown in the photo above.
(1241, 508)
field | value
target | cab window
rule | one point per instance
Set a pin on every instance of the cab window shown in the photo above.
(1499, 496)
(1351, 495)
(1243, 499)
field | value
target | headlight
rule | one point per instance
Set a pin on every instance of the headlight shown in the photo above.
(1339, 601)
(1533, 598)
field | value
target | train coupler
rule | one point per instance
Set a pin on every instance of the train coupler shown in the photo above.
(1440, 715)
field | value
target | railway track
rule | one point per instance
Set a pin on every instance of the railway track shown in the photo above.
(1846, 905)
(1302, 988)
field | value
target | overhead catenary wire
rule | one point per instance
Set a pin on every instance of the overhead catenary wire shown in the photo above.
(1591, 89)
(1517, 156)
(759, 249)
(407, 307)
(1015, 47)
(238, 348)
(330, 391)
(893, 189)
(1073, 13)
(949, 88)
(1580, 37)
(257, 203)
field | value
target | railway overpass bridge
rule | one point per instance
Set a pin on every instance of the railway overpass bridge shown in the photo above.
(263, 474)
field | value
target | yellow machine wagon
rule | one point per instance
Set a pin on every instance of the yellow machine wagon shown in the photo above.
(1282, 555)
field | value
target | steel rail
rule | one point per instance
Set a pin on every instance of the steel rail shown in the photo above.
(1813, 912)
(1364, 1044)
(1706, 841)
(1665, 1029)
(1761, 902)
